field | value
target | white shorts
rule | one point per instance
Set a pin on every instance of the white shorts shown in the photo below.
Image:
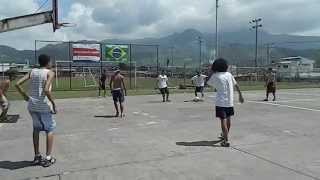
(4, 103)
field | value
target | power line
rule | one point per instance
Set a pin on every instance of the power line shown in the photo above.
(41, 6)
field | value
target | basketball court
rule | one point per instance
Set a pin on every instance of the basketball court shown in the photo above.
(270, 140)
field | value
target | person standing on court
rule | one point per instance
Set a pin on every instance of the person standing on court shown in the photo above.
(163, 86)
(41, 106)
(224, 82)
(102, 82)
(199, 80)
(118, 91)
(271, 83)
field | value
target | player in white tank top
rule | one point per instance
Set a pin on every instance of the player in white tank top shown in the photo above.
(39, 102)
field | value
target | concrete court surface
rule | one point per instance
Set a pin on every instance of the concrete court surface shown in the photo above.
(175, 140)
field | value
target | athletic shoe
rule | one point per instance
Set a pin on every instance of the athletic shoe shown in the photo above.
(48, 162)
(37, 160)
(221, 137)
(225, 144)
(265, 100)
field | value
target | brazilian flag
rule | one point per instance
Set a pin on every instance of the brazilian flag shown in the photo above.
(116, 53)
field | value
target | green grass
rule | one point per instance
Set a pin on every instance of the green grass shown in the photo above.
(145, 86)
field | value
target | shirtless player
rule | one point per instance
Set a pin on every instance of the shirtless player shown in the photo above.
(118, 91)
(4, 103)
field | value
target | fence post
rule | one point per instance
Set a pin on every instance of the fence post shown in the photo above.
(101, 54)
(157, 59)
(70, 67)
(35, 52)
(130, 68)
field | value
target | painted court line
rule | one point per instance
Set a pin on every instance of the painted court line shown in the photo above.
(297, 100)
(287, 106)
(151, 123)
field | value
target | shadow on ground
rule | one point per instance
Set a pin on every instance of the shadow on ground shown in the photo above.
(15, 165)
(155, 102)
(11, 119)
(200, 143)
(106, 116)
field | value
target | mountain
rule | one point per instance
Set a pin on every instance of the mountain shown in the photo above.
(183, 47)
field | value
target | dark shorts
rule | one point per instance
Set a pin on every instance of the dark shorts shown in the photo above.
(199, 89)
(271, 87)
(102, 86)
(118, 95)
(224, 112)
(164, 90)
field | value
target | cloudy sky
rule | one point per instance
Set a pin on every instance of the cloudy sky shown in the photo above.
(103, 19)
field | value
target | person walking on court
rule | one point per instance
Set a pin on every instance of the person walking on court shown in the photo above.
(199, 80)
(102, 82)
(41, 106)
(270, 84)
(163, 86)
(224, 82)
(118, 91)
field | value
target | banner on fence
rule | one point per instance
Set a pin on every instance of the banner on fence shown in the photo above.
(86, 52)
(116, 53)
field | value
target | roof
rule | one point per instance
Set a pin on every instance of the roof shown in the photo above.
(297, 58)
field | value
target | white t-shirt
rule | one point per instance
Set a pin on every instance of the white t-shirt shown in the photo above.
(224, 83)
(162, 81)
(199, 80)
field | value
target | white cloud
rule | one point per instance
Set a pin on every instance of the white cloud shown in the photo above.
(102, 19)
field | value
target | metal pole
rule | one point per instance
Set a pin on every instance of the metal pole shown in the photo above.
(157, 59)
(135, 75)
(101, 69)
(35, 52)
(256, 51)
(2, 70)
(184, 74)
(217, 40)
(70, 67)
(130, 75)
(172, 56)
(200, 52)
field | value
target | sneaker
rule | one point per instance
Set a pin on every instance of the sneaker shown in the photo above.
(221, 137)
(225, 144)
(48, 162)
(37, 160)
(265, 100)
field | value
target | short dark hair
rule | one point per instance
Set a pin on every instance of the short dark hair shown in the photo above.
(220, 65)
(43, 60)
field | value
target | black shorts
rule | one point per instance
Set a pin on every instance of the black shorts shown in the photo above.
(164, 90)
(118, 95)
(102, 86)
(224, 112)
(271, 87)
(199, 89)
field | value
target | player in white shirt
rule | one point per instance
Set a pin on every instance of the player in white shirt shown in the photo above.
(163, 86)
(224, 82)
(199, 81)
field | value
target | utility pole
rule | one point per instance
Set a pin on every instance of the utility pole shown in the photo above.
(269, 47)
(200, 52)
(217, 40)
(257, 25)
(172, 49)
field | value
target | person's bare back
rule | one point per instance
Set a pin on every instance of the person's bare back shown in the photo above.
(117, 81)
(4, 86)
